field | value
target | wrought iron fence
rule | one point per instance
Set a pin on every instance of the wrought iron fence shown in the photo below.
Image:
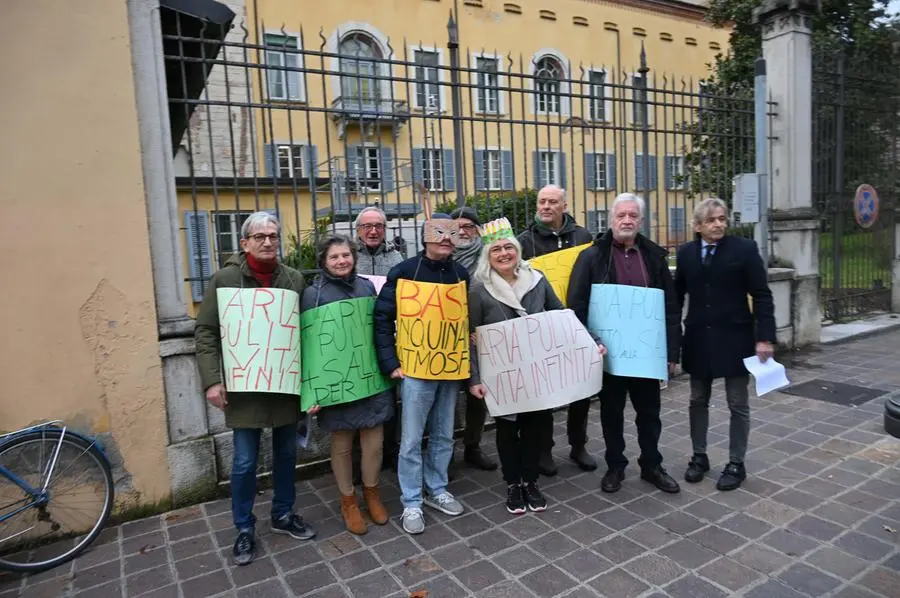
(856, 139)
(317, 127)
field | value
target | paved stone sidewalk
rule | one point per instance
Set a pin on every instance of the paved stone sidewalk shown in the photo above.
(819, 516)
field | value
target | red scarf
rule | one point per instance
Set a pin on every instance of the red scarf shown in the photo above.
(262, 271)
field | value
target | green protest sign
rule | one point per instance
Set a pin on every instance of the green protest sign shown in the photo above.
(339, 364)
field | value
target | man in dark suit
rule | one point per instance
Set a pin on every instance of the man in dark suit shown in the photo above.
(719, 271)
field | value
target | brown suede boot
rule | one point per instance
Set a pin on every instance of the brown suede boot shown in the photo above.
(352, 517)
(376, 508)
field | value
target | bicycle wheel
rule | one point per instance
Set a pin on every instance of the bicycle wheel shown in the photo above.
(79, 499)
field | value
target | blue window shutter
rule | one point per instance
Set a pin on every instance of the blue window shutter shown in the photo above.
(668, 172)
(538, 177)
(387, 169)
(352, 160)
(638, 171)
(591, 223)
(611, 182)
(654, 173)
(506, 170)
(418, 156)
(590, 172)
(196, 225)
(269, 156)
(311, 162)
(448, 166)
(478, 169)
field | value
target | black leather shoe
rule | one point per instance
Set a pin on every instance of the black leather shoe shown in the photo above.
(732, 477)
(244, 548)
(697, 468)
(660, 478)
(476, 458)
(546, 465)
(612, 480)
(583, 459)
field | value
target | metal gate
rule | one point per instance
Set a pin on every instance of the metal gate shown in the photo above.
(856, 136)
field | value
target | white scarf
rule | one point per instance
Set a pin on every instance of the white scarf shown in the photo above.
(511, 295)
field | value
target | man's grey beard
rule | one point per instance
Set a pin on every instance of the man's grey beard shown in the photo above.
(466, 243)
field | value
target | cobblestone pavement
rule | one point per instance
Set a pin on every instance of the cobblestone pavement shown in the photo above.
(819, 516)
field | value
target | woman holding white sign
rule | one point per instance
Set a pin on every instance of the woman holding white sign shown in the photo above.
(340, 409)
(506, 287)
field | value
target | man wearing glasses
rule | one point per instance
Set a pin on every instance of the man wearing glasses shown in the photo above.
(247, 413)
(376, 255)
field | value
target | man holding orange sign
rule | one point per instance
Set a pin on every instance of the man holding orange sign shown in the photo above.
(424, 302)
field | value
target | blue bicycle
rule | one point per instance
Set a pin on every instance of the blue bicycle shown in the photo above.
(56, 493)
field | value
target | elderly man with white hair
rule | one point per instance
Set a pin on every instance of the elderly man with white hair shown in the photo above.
(248, 413)
(623, 256)
(554, 229)
(377, 255)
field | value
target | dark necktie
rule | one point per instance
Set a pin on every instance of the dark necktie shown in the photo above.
(707, 257)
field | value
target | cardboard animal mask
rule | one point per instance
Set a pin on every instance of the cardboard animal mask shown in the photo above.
(437, 230)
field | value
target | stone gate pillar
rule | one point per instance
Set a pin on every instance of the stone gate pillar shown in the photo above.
(787, 48)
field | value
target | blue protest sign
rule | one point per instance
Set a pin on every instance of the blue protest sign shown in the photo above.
(631, 322)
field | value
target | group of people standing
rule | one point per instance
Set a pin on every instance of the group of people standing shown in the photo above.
(716, 271)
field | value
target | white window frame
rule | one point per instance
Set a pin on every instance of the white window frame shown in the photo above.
(607, 96)
(679, 172)
(432, 157)
(601, 158)
(235, 233)
(565, 108)
(492, 149)
(501, 83)
(651, 109)
(304, 153)
(557, 166)
(442, 89)
(334, 43)
(602, 219)
(298, 95)
(366, 180)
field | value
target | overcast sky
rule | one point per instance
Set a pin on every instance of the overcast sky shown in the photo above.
(894, 6)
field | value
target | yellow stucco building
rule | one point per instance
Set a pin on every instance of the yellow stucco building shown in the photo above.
(317, 109)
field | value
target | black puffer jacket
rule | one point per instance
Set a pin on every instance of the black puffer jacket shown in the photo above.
(538, 240)
(364, 413)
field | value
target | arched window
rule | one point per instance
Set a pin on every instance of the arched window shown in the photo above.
(359, 63)
(548, 75)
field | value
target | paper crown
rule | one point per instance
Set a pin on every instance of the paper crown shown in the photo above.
(496, 230)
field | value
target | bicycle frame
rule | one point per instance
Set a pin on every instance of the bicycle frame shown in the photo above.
(37, 496)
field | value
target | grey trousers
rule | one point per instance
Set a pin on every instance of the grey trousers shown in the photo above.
(737, 395)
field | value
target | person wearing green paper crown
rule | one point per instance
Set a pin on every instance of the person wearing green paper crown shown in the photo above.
(506, 287)
(337, 256)
(247, 413)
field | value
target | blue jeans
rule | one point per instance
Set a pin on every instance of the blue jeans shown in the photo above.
(243, 473)
(428, 406)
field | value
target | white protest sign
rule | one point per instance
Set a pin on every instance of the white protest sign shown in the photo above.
(537, 362)
(260, 330)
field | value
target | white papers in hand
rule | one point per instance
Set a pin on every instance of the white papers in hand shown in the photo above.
(769, 376)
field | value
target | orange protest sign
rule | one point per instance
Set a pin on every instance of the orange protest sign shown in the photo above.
(557, 267)
(433, 330)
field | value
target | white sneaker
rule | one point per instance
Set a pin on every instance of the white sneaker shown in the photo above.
(413, 521)
(445, 503)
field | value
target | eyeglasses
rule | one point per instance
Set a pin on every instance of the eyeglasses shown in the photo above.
(261, 238)
(497, 249)
(368, 227)
(468, 227)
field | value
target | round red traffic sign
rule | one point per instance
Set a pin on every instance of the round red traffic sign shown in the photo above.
(865, 206)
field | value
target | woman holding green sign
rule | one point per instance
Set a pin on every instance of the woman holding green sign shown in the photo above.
(342, 383)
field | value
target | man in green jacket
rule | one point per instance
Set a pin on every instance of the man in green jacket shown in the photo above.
(247, 413)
